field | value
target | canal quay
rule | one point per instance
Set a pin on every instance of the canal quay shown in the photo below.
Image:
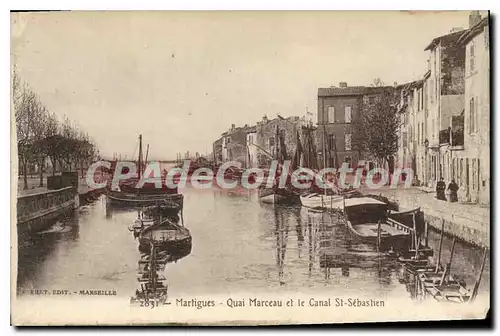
(239, 246)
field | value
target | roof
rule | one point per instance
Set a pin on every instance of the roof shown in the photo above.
(352, 90)
(252, 129)
(474, 31)
(351, 202)
(445, 38)
(377, 89)
(341, 91)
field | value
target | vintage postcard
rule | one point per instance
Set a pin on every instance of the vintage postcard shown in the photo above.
(249, 167)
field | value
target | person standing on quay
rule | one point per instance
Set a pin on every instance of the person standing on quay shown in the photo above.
(440, 189)
(453, 188)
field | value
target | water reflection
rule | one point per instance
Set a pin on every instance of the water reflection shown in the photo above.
(35, 248)
(239, 245)
(161, 242)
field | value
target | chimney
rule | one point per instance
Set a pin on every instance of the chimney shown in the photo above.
(233, 126)
(343, 84)
(474, 18)
(395, 84)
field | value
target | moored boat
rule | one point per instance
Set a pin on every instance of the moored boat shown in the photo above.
(367, 219)
(167, 235)
(278, 196)
(321, 201)
(128, 194)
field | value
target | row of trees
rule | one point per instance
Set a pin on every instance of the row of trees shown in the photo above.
(40, 136)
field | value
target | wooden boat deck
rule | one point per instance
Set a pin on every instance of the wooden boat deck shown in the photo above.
(165, 234)
(370, 230)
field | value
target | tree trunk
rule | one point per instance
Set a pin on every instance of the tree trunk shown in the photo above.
(54, 163)
(25, 175)
(42, 161)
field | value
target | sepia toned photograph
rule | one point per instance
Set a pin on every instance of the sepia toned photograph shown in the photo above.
(242, 168)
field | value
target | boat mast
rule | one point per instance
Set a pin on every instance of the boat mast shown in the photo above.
(324, 146)
(140, 155)
(147, 152)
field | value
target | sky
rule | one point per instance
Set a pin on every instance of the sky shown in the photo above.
(182, 78)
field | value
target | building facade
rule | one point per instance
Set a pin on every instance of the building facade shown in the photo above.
(473, 175)
(340, 109)
(445, 97)
(251, 161)
(445, 116)
(266, 138)
(234, 145)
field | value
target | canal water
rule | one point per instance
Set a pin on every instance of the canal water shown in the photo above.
(239, 246)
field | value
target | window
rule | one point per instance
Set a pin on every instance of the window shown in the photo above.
(436, 89)
(472, 116)
(331, 114)
(472, 65)
(422, 98)
(478, 174)
(348, 138)
(405, 139)
(271, 142)
(348, 115)
(331, 141)
(425, 96)
(418, 134)
(431, 86)
(473, 174)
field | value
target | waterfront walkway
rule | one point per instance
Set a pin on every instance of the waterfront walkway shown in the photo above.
(470, 222)
(34, 188)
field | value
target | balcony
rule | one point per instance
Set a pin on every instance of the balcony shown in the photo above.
(444, 137)
(457, 137)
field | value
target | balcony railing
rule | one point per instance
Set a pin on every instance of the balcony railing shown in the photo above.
(457, 136)
(444, 136)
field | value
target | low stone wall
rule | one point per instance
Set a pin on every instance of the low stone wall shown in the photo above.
(468, 226)
(33, 210)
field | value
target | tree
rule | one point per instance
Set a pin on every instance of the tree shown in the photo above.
(382, 122)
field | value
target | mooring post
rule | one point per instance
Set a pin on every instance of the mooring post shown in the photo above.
(414, 231)
(426, 234)
(475, 290)
(440, 245)
(379, 226)
(452, 252)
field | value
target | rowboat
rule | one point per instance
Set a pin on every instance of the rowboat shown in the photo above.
(167, 235)
(367, 219)
(278, 196)
(320, 201)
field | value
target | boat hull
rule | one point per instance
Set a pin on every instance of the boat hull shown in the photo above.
(281, 196)
(397, 242)
(176, 248)
(316, 201)
(122, 199)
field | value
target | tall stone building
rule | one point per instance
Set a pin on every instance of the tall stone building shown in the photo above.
(266, 142)
(339, 108)
(472, 166)
(234, 144)
(445, 91)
